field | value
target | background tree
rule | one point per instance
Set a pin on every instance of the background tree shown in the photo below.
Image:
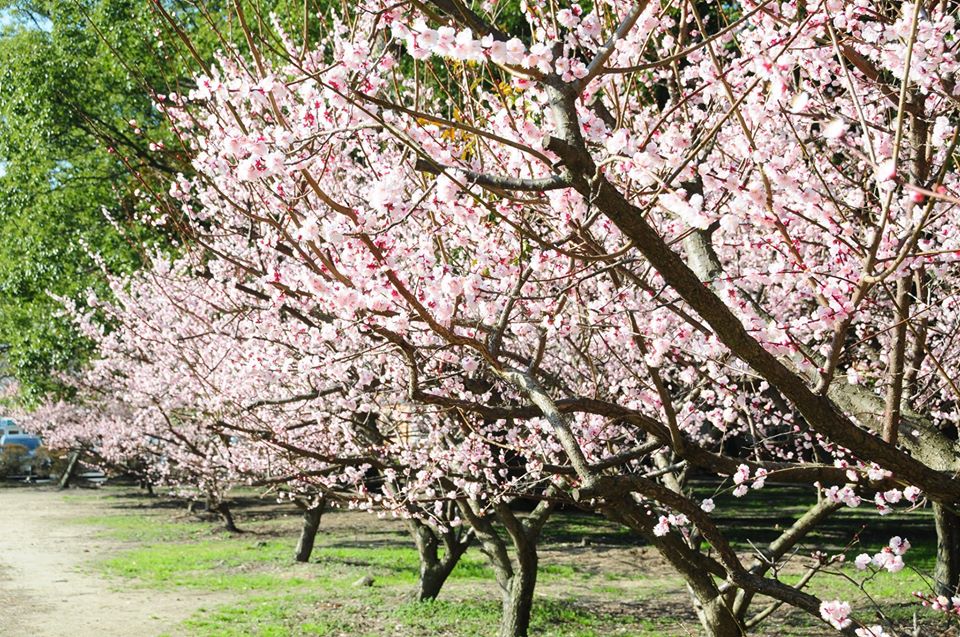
(75, 116)
(79, 136)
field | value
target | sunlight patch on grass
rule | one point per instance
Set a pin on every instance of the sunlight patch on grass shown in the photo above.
(142, 528)
(275, 616)
(220, 565)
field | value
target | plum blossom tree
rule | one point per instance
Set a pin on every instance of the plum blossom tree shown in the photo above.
(192, 389)
(585, 256)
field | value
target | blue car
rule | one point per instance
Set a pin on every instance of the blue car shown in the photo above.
(26, 441)
(32, 443)
(8, 426)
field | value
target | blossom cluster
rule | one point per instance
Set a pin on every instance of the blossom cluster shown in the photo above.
(378, 258)
(889, 557)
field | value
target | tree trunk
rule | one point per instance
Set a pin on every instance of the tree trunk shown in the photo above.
(718, 619)
(518, 598)
(223, 510)
(434, 569)
(308, 532)
(946, 573)
(517, 577)
(431, 580)
(146, 485)
(713, 609)
(70, 470)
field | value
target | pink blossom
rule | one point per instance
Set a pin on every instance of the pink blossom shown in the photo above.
(899, 545)
(662, 527)
(836, 613)
(742, 474)
(911, 493)
(568, 18)
(834, 129)
(886, 171)
(466, 47)
(309, 230)
(515, 51)
(888, 560)
(540, 58)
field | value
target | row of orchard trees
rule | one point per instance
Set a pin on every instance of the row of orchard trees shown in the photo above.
(454, 254)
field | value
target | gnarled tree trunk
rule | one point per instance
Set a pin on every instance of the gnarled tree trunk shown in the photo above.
(714, 608)
(223, 510)
(516, 575)
(309, 528)
(518, 595)
(435, 567)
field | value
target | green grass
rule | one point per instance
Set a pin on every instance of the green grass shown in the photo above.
(81, 497)
(217, 565)
(137, 528)
(367, 614)
(575, 527)
(266, 616)
(761, 515)
(248, 563)
(395, 564)
(475, 618)
(275, 597)
(865, 589)
(551, 618)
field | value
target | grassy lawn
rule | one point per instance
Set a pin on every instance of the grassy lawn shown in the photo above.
(595, 579)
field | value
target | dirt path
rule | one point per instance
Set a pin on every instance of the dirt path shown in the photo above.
(46, 589)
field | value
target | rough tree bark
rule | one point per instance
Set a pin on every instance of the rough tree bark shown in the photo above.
(819, 410)
(312, 513)
(891, 416)
(713, 607)
(518, 597)
(946, 573)
(435, 567)
(516, 575)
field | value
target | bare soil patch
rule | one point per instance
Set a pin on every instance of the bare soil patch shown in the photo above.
(47, 588)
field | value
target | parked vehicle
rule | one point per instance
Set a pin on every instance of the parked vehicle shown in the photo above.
(22, 454)
(9, 426)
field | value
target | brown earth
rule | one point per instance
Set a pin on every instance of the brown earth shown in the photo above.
(47, 588)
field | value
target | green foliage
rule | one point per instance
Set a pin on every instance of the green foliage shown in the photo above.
(73, 74)
(66, 96)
